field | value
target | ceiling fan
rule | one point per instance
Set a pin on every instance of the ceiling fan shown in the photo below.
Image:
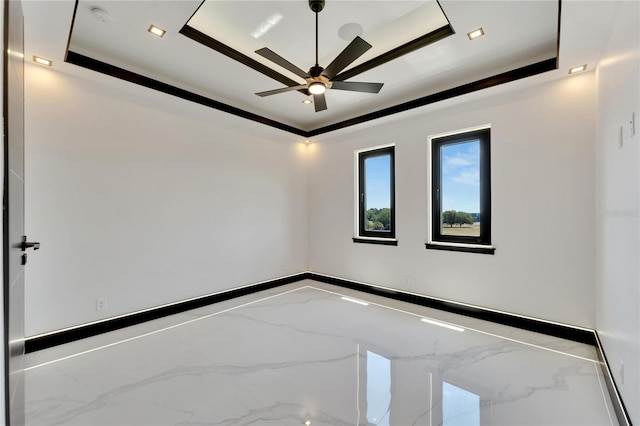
(320, 79)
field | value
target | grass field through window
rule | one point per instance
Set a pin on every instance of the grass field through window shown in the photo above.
(469, 230)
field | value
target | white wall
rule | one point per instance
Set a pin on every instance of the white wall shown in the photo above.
(146, 199)
(618, 205)
(542, 205)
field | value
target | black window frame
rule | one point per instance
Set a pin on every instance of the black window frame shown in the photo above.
(389, 235)
(484, 137)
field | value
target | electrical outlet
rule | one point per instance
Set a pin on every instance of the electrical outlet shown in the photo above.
(102, 304)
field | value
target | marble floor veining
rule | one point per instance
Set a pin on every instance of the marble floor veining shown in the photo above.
(311, 353)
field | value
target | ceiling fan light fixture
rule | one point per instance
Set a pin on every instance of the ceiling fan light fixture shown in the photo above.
(317, 88)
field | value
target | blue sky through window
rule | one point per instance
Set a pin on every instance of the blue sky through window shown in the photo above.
(461, 177)
(377, 175)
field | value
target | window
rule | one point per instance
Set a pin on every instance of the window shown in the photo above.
(461, 192)
(375, 196)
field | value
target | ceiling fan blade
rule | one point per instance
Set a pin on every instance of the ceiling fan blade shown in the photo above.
(355, 86)
(320, 102)
(279, 60)
(282, 90)
(353, 51)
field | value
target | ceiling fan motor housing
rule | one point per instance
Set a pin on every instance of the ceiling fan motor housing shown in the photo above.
(315, 71)
(316, 5)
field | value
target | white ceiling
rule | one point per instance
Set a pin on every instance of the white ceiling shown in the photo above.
(518, 33)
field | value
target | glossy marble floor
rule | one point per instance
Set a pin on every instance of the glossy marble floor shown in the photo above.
(310, 353)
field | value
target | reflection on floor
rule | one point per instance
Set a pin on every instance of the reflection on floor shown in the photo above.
(310, 353)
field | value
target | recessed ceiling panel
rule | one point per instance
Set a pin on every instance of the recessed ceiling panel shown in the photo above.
(420, 51)
(288, 27)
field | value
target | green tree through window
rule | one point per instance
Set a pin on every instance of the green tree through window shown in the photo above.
(461, 188)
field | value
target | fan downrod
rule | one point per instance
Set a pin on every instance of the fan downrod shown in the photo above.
(316, 5)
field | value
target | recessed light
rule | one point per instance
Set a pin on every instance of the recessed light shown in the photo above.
(442, 324)
(308, 423)
(317, 88)
(307, 141)
(42, 61)
(156, 31)
(475, 33)
(306, 101)
(575, 70)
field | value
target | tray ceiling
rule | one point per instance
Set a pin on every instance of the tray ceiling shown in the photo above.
(420, 51)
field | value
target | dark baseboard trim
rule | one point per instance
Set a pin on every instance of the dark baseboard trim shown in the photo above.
(37, 343)
(525, 323)
(589, 337)
(616, 399)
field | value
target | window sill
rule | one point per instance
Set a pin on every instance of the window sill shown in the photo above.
(382, 241)
(462, 248)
